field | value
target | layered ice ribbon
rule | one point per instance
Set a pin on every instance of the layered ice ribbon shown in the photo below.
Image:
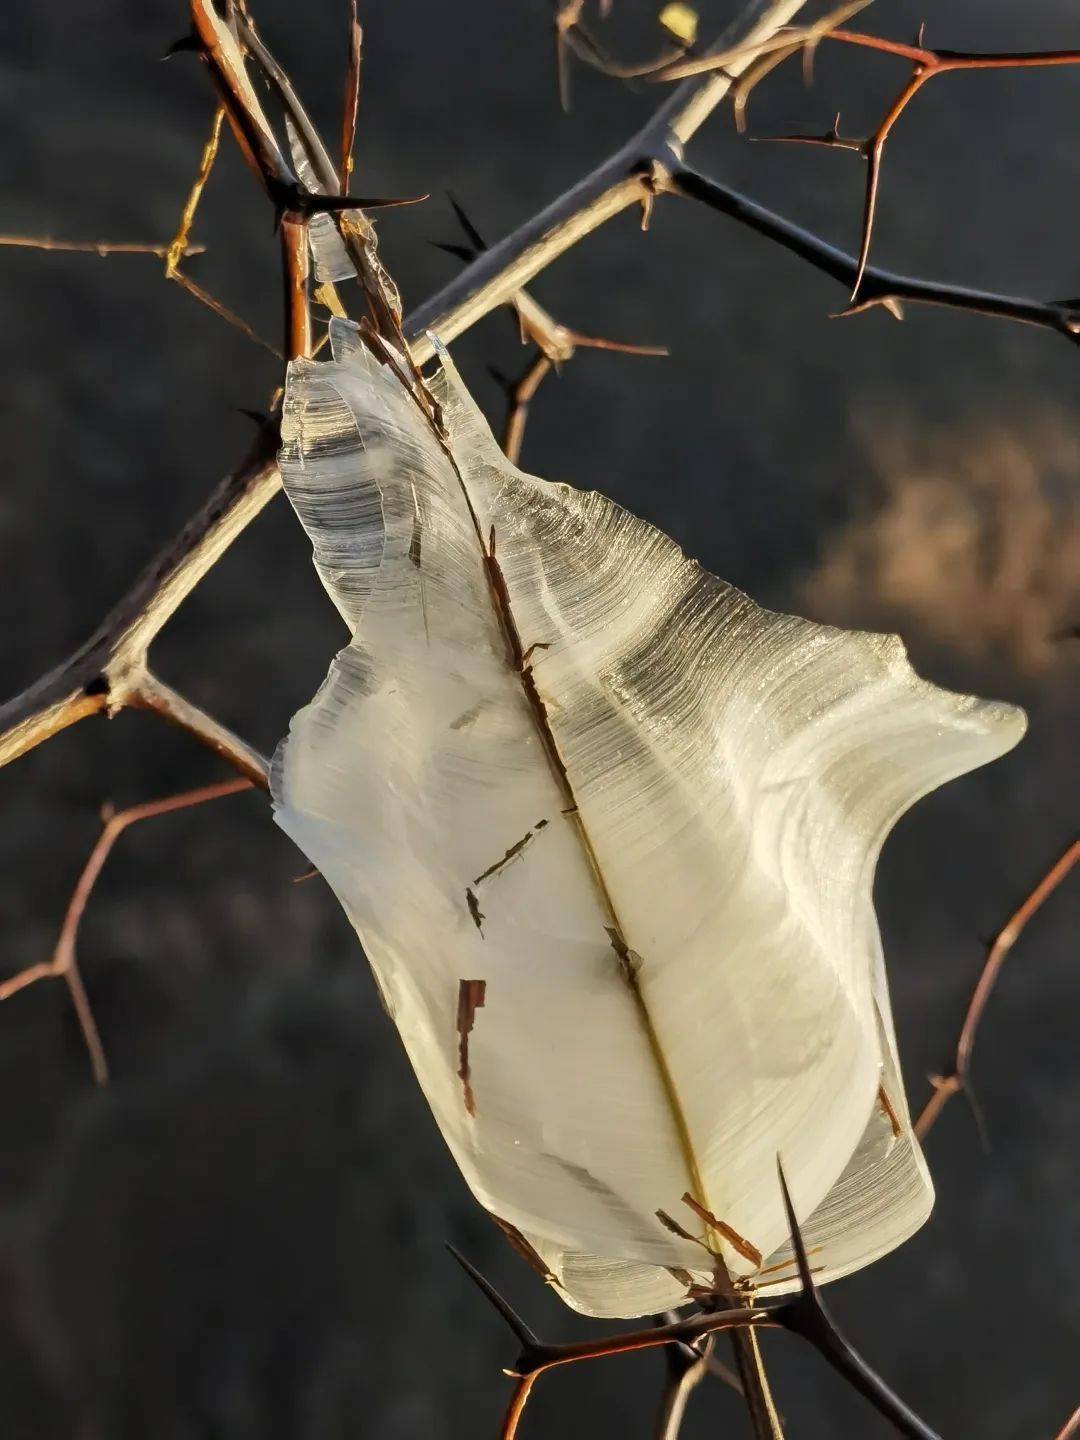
(607, 831)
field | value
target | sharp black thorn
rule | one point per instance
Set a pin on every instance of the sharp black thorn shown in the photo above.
(807, 1316)
(798, 1247)
(186, 45)
(521, 1331)
(466, 224)
(465, 253)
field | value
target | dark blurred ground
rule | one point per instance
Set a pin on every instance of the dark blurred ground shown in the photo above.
(243, 1236)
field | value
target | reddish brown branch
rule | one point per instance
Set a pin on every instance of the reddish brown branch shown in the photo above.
(536, 1360)
(296, 270)
(351, 106)
(100, 248)
(926, 65)
(685, 1368)
(63, 964)
(946, 1086)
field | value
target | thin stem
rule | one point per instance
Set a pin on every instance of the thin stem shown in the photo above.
(523, 1385)
(103, 673)
(92, 680)
(879, 287)
(64, 963)
(222, 311)
(684, 1369)
(926, 65)
(946, 1086)
(154, 695)
(694, 1327)
(875, 155)
(520, 397)
(627, 178)
(178, 248)
(351, 107)
(101, 248)
(253, 132)
(296, 267)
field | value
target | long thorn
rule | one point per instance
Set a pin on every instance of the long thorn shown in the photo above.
(521, 1331)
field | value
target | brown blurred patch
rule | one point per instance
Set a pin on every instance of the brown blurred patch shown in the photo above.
(972, 538)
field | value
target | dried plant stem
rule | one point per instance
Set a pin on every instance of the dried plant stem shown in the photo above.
(520, 397)
(805, 1315)
(877, 287)
(160, 699)
(64, 965)
(946, 1086)
(351, 107)
(178, 247)
(102, 248)
(536, 1358)
(756, 1390)
(295, 267)
(109, 671)
(926, 65)
(684, 1375)
(97, 677)
(222, 311)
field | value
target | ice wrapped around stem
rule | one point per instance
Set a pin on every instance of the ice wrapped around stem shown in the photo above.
(607, 831)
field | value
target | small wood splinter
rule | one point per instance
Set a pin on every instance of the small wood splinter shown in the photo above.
(471, 997)
(474, 908)
(514, 851)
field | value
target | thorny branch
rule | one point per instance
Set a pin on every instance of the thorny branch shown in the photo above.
(555, 343)
(106, 673)
(102, 676)
(957, 1079)
(926, 64)
(685, 1367)
(111, 670)
(804, 1315)
(101, 248)
(63, 964)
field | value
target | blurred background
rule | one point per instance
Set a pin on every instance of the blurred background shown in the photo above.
(243, 1236)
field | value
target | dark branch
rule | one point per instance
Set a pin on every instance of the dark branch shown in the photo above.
(878, 287)
(957, 1079)
(807, 1316)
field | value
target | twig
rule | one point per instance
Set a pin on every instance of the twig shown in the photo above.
(946, 1086)
(64, 964)
(222, 311)
(351, 107)
(877, 287)
(98, 676)
(295, 269)
(80, 686)
(178, 248)
(109, 671)
(625, 179)
(807, 1316)
(154, 695)
(926, 65)
(519, 395)
(94, 247)
(685, 1368)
